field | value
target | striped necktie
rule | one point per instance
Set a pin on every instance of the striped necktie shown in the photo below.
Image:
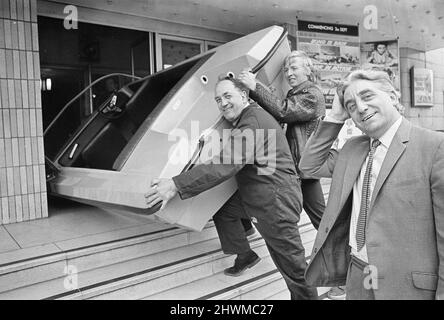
(365, 197)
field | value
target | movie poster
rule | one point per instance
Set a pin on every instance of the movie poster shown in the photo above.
(384, 56)
(422, 87)
(334, 50)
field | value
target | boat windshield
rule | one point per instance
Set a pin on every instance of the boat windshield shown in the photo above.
(80, 110)
(105, 137)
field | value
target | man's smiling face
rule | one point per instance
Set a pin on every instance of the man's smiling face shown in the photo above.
(230, 100)
(372, 109)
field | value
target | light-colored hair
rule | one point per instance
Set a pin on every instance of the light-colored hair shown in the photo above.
(380, 77)
(308, 63)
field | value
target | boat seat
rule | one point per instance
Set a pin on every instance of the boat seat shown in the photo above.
(101, 152)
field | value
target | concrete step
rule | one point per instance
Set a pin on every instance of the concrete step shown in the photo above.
(265, 281)
(256, 283)
(282, 295)
(261, 288)
(253, 289)
(177, 272)
(182, 274)
(201, 260)
(159, 270)
(22, 271)
(219, 286)
(150, 271)
(285, 295)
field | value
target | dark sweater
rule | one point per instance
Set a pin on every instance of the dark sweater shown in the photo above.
(260, 174)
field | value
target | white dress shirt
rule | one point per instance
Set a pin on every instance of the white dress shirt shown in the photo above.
(378, 159)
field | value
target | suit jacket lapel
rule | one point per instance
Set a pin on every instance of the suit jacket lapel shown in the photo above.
(354, 165)
(394, 152)
(356, 158)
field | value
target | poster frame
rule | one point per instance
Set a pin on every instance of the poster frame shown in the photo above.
(415, 91)
(327, 70)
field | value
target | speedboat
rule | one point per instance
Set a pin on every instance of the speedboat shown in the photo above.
(155, 127)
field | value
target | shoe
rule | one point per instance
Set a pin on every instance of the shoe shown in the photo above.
(242, 263)
(251, 233)
(337, 293)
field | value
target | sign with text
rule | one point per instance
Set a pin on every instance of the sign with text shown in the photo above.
(422, 87)
(334, 49)
(320, 27)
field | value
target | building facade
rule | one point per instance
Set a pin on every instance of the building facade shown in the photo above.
(40, 40)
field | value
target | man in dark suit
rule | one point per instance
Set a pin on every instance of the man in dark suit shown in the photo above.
(382, 233)
(259, 157)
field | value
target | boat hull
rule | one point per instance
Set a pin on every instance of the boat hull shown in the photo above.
(167, 138)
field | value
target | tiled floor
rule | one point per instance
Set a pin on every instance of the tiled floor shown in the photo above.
(7, 243)
(70, 224)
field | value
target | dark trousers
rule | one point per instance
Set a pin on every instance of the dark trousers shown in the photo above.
(280, 231)
(313, 200)
(229, 222)
(357, 278)
(231, 227)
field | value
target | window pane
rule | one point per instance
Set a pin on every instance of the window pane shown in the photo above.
(174, 51)
(65, 85)
(141, 58)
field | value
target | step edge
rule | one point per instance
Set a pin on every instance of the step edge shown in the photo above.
(161, 271)
(32, 262)
(251, 286)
